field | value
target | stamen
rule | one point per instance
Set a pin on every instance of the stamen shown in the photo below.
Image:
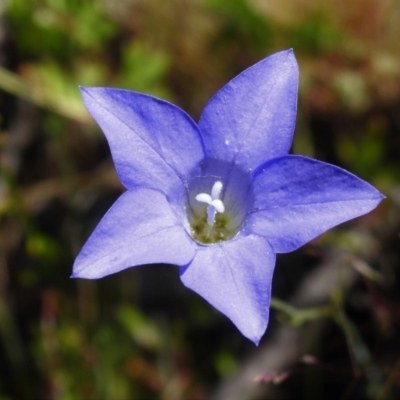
(214, 203)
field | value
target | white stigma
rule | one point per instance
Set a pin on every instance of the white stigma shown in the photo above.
(214, 203)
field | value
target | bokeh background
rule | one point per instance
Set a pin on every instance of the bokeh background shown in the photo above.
(335, 322)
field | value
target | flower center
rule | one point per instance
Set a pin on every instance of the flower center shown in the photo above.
(213, 201)
(219, 196)
(214, 224)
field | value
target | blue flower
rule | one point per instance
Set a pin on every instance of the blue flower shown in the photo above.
(219, 198)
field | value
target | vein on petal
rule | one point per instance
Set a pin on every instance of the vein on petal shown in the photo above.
(274, 207)
(124, 244)
(141, 138)
(232, 275)
(246, 136)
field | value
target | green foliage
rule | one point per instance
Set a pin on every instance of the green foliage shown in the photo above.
(65, 44)
(59, 27)
(317, 35)
(242, 24)
(43, 247)
(142, 69)
(142, 330)
(365, 153)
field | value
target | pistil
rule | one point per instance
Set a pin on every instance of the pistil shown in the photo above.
(215, 204)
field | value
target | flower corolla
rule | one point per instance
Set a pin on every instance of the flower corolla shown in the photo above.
(219, 198)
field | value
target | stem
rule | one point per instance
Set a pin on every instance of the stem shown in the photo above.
(297, 316)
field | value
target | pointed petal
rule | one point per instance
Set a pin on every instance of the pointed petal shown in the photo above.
(140, 228)
(153, 143)
(235, 277)
(298, 198)
(252, 118)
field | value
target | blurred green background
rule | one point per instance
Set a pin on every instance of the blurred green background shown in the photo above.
(140, 334)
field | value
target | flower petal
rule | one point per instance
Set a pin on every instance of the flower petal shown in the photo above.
(235, 277)
(252, 118)
(153, 143)
(140, 228)
(298, 198)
